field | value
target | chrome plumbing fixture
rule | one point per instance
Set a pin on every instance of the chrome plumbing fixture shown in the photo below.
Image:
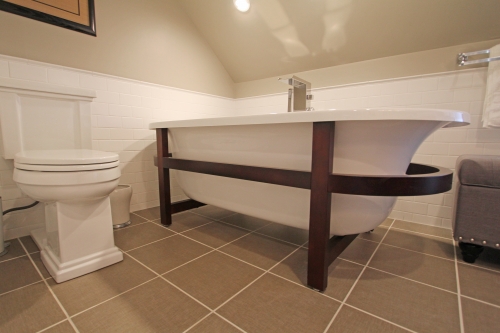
(299, 96)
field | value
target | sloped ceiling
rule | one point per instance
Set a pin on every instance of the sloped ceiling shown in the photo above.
(277, 37)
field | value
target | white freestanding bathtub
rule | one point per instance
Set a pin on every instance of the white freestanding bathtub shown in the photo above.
(366, 142)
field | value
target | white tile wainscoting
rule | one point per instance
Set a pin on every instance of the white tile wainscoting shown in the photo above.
(121, 114)
(461, 90)
(124, 108)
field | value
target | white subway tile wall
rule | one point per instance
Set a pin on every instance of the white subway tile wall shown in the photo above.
(121, 114)
(461, 90)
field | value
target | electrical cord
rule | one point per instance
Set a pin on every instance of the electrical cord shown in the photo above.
(21, 208)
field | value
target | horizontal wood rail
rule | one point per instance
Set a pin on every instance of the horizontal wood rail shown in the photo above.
(419, 179)
(181, 206)
(299, 179)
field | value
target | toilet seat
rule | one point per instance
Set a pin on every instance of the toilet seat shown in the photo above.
(65, 160)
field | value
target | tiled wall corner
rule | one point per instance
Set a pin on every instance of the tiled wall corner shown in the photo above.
(461, 90)
(120, 116)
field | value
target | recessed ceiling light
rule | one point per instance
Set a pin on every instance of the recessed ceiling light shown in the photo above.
(242, 5)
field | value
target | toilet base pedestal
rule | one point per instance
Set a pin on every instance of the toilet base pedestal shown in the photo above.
(78, 238)
(69, 270)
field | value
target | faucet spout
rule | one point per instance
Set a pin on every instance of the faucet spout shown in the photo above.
(299, 96)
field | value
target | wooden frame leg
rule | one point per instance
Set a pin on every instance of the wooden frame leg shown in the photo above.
(320, 209)
(163, 177)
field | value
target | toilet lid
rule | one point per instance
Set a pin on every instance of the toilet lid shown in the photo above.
(65, 160)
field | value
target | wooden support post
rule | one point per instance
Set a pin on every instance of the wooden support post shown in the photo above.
(163, 176)
(319, 218)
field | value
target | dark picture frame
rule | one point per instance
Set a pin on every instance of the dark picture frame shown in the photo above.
(54, 20)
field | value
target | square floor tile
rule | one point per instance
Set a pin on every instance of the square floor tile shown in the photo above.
(416, 266)
(88, 290)
(216, 234)
(272, 304)
(64, 327)
(341, 274)
(285, 233)
(153, 307)
(375, 236)
(169, 253)
(214, 278)
(214, 324)
(14, 250)
(184, 221)
(422, 228)
(17, 273)
(131, 237)
(480, 317)
(29, 309)
(359, 251)
(29, 244)
(213, 212)
(259, 250)
(245, 221)
(421, 243)
(479, 283)
(149, 213)
(406, 303)
(354, 321)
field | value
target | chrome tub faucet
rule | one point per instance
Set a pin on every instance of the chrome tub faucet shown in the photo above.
(299, 96)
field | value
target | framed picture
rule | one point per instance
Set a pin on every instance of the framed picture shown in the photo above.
(78, 15)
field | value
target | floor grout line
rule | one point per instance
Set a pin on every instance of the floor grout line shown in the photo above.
(459, 299)
(54, 325)
(267, 271)
(7, 260)
(494, 270)
(383, 319)
(355, 282)
(113, 297)
(173, 285)
(199, 321)
(10, 291)
(427, 254)
(52, 292)
(230, 322)
(480, 301)
(187, 262)
(419, 282)
(421, 233)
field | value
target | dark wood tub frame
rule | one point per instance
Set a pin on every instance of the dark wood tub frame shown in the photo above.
(323, 250)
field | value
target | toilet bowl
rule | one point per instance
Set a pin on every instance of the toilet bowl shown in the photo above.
(74, 185)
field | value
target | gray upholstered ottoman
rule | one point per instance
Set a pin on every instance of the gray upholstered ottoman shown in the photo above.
(476, 218)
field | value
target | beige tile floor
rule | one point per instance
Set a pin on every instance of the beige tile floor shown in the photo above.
(217, 271)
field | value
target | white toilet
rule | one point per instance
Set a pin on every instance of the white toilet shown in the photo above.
(46, 130)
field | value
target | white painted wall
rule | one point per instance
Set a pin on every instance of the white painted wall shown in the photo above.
(461, 90)
(121, 114)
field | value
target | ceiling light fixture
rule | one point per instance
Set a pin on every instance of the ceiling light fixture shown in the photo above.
(242, 5)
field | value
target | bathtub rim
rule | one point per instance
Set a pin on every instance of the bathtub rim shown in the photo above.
(455, 118)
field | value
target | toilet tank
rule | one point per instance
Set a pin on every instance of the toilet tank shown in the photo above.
(42, 116)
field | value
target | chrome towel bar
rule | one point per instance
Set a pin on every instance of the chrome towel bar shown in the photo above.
(463, 58)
